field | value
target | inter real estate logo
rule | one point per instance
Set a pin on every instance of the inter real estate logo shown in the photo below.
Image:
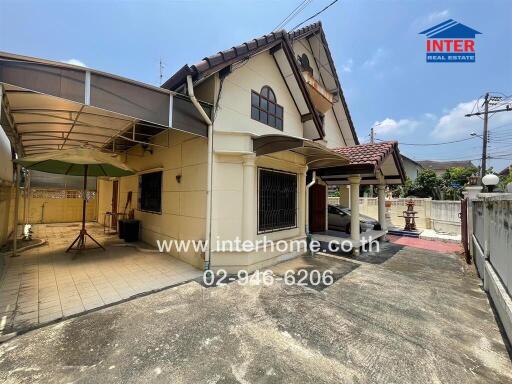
(450, 42)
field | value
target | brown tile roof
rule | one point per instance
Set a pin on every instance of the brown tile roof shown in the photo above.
(213, 63)
(368, 154)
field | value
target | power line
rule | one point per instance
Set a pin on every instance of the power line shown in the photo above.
(315, 15)
(430, 144)
(298, 9)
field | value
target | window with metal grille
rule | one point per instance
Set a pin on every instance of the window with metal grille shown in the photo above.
(264, 108)
(150, 192)
(277, 200)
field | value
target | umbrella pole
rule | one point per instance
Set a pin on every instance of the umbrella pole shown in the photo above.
(83, 232)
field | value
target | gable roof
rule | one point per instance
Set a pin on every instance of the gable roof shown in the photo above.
(450, 29)
(217, 62)
(368, 154)
(411, 160)
(444, 165)
(316, 28)
(220, 60)
(367, 160)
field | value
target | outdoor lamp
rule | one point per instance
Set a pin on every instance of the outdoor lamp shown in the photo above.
(490, 181)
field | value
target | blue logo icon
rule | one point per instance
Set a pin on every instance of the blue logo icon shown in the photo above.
(450, 42)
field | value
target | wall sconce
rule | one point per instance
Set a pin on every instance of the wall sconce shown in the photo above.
(178, 178)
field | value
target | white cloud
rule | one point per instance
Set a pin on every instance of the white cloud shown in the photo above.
(376, 58)
(438, 16)
(453, 124)
(74, 62)
(347, 67)
(390, 126)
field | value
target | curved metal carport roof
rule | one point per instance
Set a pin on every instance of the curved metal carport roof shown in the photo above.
(49, 106)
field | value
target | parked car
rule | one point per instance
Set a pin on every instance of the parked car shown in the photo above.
(339, 219)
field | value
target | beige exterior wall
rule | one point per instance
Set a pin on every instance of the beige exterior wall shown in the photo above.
(7, 209)
(231, 214)
(55, 210)
(235, 169)
(104, 199)
(235, 103)
(183, 203)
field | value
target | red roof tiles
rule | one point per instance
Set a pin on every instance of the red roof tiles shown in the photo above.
(372, 154)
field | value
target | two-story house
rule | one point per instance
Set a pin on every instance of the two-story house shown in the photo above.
(255, 134)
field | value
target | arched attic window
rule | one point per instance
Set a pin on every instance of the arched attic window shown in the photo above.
(264, 108)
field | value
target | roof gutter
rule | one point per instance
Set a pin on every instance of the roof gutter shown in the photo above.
(309, 185)
(206, 118)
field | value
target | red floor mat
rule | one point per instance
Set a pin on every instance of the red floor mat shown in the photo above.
(438, 246)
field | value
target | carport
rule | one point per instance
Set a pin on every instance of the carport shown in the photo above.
(48, 106)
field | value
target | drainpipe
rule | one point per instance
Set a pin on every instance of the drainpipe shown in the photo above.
(309, 185)
(206, 118)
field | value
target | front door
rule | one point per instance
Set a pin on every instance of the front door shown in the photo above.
(317, 204)
(115, 191)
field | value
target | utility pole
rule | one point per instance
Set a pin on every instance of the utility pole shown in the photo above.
(372, 135)
(507, 108)
(486, 135)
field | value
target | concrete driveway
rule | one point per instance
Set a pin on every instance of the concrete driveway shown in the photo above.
(403, 316)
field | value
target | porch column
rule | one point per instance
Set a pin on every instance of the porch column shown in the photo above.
(355, 182)
(382, 206)
(249, 218)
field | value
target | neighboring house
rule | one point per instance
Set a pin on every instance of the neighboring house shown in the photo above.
(251, 161)
(506, 171)
(412, 168)
(440, 167)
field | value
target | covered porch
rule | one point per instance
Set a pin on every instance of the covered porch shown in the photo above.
(367, 164)
(50, 106)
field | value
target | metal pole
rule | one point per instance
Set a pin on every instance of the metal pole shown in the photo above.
(85, 197)
(484, 146)
(16, 208)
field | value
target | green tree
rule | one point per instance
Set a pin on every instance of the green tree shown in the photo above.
(454, 179)
(427, 184)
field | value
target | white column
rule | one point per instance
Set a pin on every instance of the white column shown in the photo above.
(249, 217)
(355, 182)
(382, 206)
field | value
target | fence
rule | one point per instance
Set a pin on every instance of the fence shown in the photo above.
(492, 244)
(56, 206)
(440, 215)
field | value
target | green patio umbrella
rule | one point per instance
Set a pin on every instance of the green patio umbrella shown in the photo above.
(83, 161)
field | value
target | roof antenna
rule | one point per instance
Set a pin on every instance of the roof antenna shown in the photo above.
(162, 66)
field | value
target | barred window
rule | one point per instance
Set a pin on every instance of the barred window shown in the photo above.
(150, 192)
(277, 200)
(264, 108)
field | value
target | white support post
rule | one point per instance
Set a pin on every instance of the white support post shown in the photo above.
(355, 235)
(249, 211)
(87, 95)
(382, 206)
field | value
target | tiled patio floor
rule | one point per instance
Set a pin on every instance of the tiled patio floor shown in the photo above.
(45, 283)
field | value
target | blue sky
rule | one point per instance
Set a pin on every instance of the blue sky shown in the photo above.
(376, 46)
